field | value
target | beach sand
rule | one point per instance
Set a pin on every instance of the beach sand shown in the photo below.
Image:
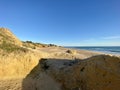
(57, 57)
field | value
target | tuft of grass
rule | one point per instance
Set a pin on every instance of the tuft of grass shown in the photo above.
(8, 47)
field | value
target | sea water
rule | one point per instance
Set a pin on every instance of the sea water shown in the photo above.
(104, 49)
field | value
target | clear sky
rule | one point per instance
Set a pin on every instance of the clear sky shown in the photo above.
(63, 22)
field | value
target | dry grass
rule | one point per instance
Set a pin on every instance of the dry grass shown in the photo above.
(8, 36)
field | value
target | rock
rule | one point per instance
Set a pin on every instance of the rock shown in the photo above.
(71, 51)
(96, 73)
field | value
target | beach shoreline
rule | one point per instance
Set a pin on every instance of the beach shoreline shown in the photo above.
(61, 52)
(97, 52)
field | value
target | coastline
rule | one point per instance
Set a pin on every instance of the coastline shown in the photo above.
(61, 53)
(96, 52)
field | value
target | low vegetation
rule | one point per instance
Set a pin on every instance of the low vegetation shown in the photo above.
(9, 47)
(33, 45)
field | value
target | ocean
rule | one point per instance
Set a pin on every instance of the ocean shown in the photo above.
(103, 49)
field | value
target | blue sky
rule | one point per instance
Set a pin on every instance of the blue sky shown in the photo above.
(63, 22)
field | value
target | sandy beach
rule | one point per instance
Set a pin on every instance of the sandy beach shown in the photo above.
(61, 52)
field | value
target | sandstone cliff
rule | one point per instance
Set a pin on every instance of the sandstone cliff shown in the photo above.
(96, 73)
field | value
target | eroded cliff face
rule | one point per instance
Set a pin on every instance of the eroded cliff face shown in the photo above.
(17, 65)
(96, 73)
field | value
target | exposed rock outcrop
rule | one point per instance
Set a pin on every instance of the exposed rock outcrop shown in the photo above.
(96, 73)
